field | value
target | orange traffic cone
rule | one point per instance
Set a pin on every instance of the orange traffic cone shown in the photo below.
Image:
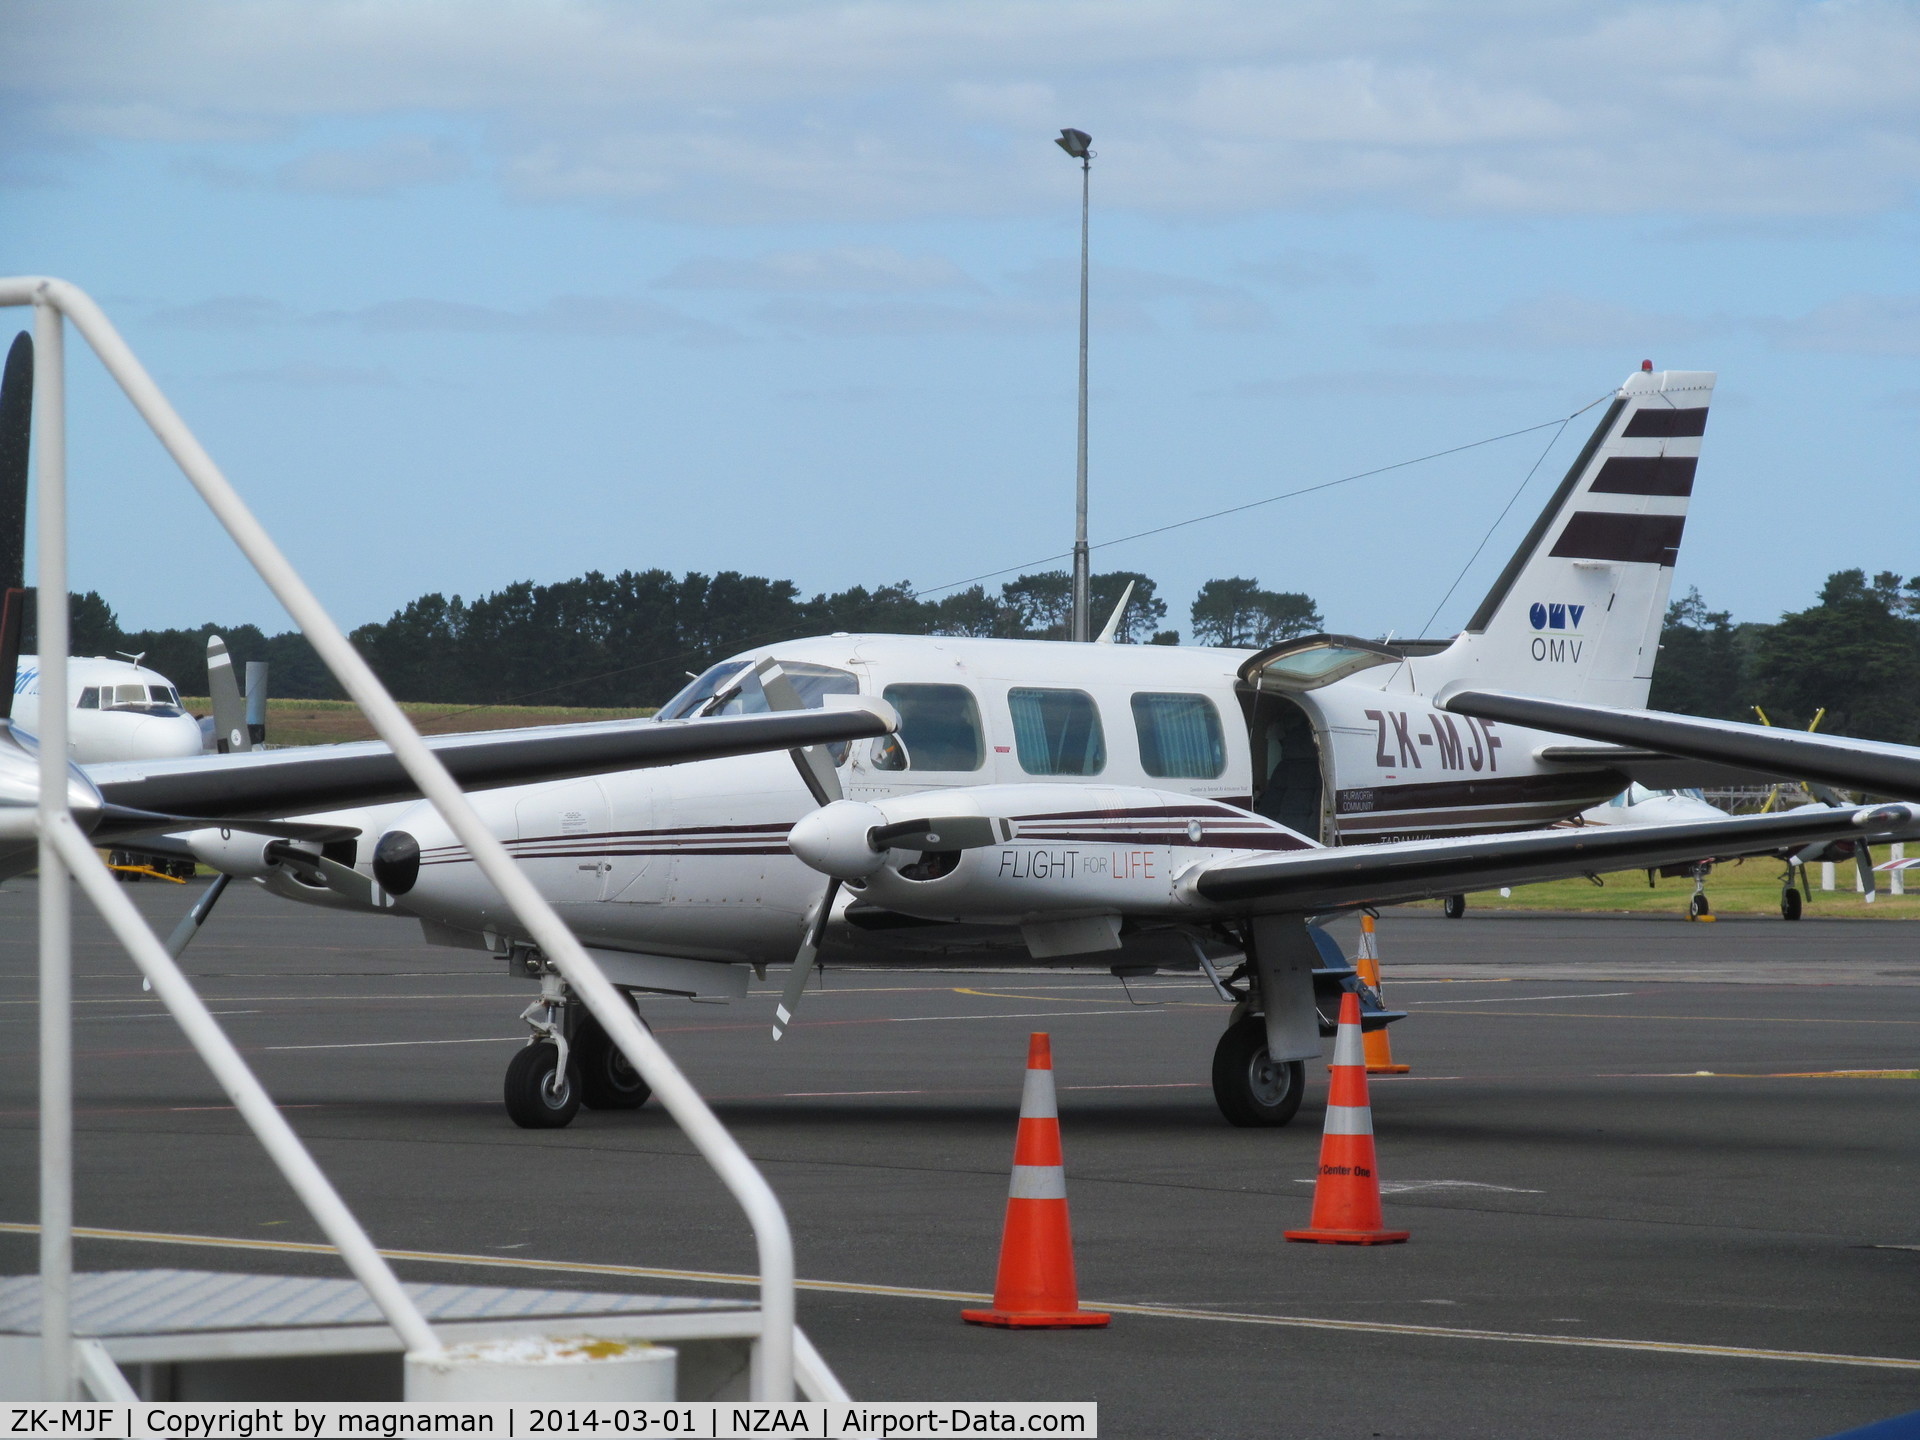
(1346, 1194)
(1035, 1288)
(1379, 1048)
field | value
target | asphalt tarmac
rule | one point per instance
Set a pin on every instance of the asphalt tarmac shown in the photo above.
(1630, 1176)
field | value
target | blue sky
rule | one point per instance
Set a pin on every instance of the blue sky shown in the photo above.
(465, 293)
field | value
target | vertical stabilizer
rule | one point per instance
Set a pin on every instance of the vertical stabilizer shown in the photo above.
(1576, 613)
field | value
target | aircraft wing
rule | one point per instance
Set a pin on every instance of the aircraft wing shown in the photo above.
(1869, 765)
(1299, 881)
(331, 777)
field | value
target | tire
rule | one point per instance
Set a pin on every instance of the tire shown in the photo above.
(1252, 1091)
(607, 1080)
(532, 1103)
(1698, 906)
(1454, 906)
(1789, 904)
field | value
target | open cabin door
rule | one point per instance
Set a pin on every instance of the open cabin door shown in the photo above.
(1292, 777)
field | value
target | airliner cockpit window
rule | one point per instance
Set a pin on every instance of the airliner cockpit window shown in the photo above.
(90, 698)
(939, 728)
(1057, 732)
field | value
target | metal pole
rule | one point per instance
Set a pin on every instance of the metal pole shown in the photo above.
(773, 1377)
(56, 906)
(1082, 603)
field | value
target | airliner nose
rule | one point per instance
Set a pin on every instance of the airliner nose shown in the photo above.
(396, 862)
(164, 737)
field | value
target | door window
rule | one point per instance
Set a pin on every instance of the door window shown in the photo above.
(1057, 732)
(1180, 736)
(939, 729)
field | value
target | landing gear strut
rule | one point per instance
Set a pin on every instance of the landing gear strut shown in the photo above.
(1251, 1089)
(568, 1061)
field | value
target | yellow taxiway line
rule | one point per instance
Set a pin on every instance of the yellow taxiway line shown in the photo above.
(905, 1292)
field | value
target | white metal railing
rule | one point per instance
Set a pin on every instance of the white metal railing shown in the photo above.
(64, 849)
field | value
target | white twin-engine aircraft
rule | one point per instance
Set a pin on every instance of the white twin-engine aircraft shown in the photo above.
(1142, 806)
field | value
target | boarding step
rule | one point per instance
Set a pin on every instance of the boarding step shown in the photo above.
(207, 1335)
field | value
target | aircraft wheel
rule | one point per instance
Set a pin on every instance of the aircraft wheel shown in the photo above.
(537, 1099)
(1250, 1089)
(608, 1080)
(1789, 904)
(1698, 906)
(1454, 906)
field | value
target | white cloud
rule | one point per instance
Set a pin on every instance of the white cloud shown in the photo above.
(1554, 322)
(310, 375)
(225, 312)
(848, 269)
(398, 162)
(1856, 324)
(607, 316)
(880, 109)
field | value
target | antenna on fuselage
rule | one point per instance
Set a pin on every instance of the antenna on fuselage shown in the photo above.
(1113, 620)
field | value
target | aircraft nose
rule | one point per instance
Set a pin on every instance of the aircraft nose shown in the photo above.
(164, 738)
(396, 862)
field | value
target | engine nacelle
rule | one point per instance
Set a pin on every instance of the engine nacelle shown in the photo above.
(236, 853)
(1061, 852)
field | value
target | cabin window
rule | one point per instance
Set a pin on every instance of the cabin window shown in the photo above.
(1180, 736)
(1057, 732)
(939, 729)
(90, 698)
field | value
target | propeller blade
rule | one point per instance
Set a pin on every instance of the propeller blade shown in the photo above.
(125, 817)
(804, 960)
(230, 732)
(345, 880)
(257, 703)
(190, 924)
(949, 832)
(1863, 858)
(813, 762)
(16, 430)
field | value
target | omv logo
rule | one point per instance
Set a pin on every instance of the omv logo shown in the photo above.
(1555, 617)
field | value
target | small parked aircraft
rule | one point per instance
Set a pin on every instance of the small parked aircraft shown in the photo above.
(1140, 806)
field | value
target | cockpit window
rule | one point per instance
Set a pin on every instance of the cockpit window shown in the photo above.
(141, 699)
(939, 729)
(1057, 732)
(90, 698)
(813, 683)
(1180, 736)
(704, 687)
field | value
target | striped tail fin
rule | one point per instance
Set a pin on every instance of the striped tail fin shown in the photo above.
(1577, 612)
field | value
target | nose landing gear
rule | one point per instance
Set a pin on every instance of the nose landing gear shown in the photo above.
(568, 1061)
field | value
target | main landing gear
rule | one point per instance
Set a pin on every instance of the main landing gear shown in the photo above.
(1454, 906)
(1251, 1089)
(567, 1062)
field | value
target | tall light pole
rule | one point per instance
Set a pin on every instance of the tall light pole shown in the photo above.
(1076, 143)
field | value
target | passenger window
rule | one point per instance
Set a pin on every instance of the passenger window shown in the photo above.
(939, 728)
(1180, 736)
(90, 698)
(1057, 732)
